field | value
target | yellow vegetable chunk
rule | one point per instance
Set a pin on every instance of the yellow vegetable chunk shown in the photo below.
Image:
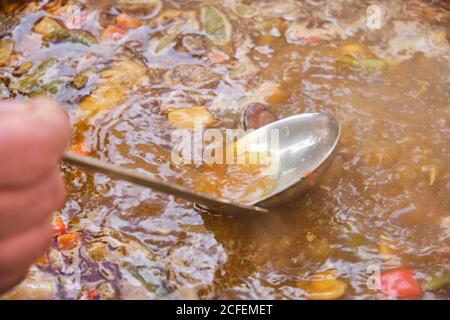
(355, 50)
(325, 286)
(47, 25)
(187, 118)
(103, 98)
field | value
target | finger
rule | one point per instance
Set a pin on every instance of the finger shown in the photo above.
(23, 208)
(32, 139)
(22, 249)
(9, 280)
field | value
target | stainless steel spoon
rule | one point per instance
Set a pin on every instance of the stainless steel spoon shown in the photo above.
(305, 148)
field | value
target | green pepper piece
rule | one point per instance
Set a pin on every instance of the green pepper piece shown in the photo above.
(164, 42)
(50, 88)
(80, 80)
(245, 11)
(27, 83)
(135, 273)
(22, 69)
(216, 25)
(366, 64)
(438, 280)
(74, 36)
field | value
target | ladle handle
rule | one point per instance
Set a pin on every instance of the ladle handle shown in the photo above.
(219, 205)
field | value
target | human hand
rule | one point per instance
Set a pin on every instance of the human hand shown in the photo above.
(33, 136)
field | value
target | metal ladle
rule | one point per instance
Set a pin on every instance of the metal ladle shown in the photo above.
(305, 148)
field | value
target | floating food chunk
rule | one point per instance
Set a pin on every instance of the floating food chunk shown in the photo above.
(195, 44)
(400, 284)
(104, 97)
(68, 35)
(166, 17)
(140, 7)
(355, 50)
(216, 25)
(191, 75)
(302, 34)
(58, 226)
(126, 21)
(245, 11)
(439, 280)
(47, 25)
(187, 118)
(22, 69)
(325, 286)
(80, 80)
(272, 93)
(165, 42)
(113, 32)
(358, 56)
(6, 50)
(68, 241)
(115, 83)
(26, 84)
(55, 31)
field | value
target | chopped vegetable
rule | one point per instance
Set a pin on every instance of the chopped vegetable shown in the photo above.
(245, 11)
(325, 286)
(115, 83)
(216, 25)
(355, 50)
(365, 63)
(432, 176)
(191, 75)
(140, 7)
(359, 56)
(112, 32)
(439, 280)
(400, 283)
(71, 35)
(29, 81)
(50, 88)
(80, 149)
(68, 241)
(47, 25)
(58, 226)
(165, 41)
(303, 34)
(42, 261)
(80, 80)
(216, 56)
(106, 291)
(54, 6)
(187, 118)
(126, 21)
(166, 17)
(195, 44)
(135, 273)
(243, 69)
(272, 93)
(6, 49)
(22, 69)
(98, 251)
(92, 294)
(104, 97)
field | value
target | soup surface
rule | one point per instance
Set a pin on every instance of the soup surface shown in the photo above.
(130, 72)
